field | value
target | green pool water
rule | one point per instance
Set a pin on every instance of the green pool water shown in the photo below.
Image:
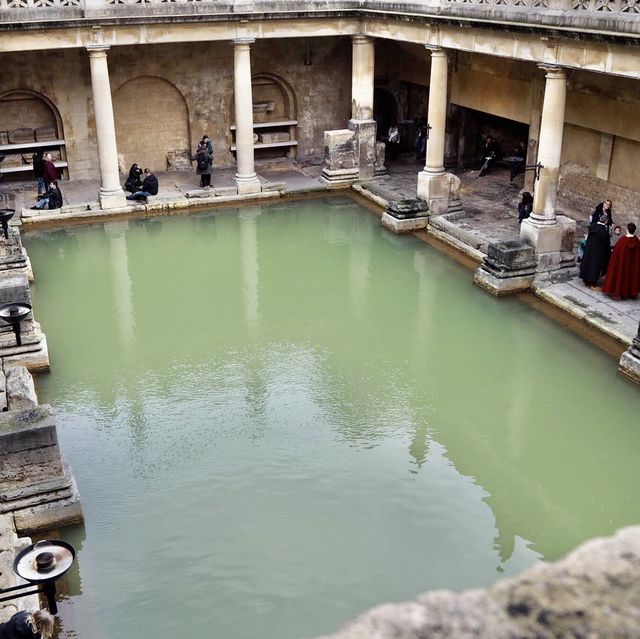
(280, 416)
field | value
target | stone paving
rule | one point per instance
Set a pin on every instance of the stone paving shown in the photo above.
(487, 213)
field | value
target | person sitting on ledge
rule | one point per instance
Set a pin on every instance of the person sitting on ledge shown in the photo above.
(50, 199)
(149, 187)
(28, 625)
(133, 183)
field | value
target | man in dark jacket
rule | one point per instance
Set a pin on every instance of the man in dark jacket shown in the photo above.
(50, 199)
(149, 187)
(596, 253)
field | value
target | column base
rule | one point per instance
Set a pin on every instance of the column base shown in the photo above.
(553, 245)
(248, 184)
(434, 188)
(112, 199)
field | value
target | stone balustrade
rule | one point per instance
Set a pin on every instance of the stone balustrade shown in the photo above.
(599, 16)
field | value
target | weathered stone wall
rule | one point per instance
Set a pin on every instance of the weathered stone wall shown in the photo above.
(593, 592)
(166, 96)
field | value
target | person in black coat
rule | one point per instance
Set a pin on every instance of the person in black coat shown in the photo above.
(603, 207)
(525, 207)
(596, 253)
(38, 171)
(149, 187)
(28, 625)
(133, 182)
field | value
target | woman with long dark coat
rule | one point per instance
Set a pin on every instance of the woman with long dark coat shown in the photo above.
(596, 253)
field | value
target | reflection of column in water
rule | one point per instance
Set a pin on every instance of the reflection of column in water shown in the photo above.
(249, 257)
(425, 304)
(359, 258)
(116, 232)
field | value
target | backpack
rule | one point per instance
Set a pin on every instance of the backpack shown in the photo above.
(202, 160)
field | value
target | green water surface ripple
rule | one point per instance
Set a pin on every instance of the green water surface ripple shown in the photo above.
(282, 415)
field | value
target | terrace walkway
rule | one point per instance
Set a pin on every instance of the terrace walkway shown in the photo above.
(486, 213)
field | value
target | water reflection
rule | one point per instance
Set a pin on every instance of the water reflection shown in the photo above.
(341, 419)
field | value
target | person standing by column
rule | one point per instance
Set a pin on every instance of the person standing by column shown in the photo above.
(596, 253)
(38, 171)
(49, 170)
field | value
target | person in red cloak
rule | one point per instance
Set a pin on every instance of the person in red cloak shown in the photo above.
(623, 274)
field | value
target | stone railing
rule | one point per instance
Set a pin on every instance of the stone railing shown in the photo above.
(599, 16)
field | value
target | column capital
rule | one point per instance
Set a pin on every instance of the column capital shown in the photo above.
(243, 42)
(98, 50)
(360, 38)
(553, 71)
(435, 50)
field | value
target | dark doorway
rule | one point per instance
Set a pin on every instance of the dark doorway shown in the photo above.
(385, 111)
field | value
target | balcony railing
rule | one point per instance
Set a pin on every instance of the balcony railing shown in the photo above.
(606, 16)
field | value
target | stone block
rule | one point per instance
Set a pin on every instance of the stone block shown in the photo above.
(629, 364)
(14, 288)
(403, 225)
(21, 392)
(21, 136)
(45, 134)
(201, 193)
(511, 254)
(508, 268)
(28, 428)
(381, 149)
(223, 191)
(274, 186)
(406, 209)
(339, 150)
(364, 147)
(275, 136)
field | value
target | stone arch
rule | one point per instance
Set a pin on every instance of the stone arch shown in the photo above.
(268, 87)
(152, 120)
(35, 110)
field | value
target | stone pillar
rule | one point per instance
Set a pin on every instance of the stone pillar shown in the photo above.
(550, 146)
(363, 60)
(246, 178)
(362, 123)
(551, 237)
(111, 194)
(537, 95)
(433, 184)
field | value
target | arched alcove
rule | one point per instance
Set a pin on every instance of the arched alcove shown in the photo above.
(152, 120)
(29, 121)
(274, 116)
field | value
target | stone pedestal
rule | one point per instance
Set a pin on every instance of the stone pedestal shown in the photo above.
(630, 361)
(434, 188)
(33, 352)
(339, 157)
(364, 147)
(553, 244)
(509, 267)
(36, 484)
(405, 216)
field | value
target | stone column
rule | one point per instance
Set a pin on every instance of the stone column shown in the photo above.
(550, 146)
(362, 123)
(552, 237)
(363, 60)
(433, 185)
(111, 194)
(246, 178)
(537, 95)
